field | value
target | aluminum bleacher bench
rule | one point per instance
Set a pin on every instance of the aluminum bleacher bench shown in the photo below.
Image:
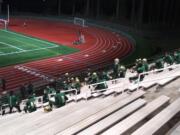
(168, 76)
(123, 126)
(113, 89)
(113, 118)
(147, 85)
(87, 95)
(78, 97)
(102, 114)
(165, 81)
(97, 94)
(153, 125)
(59, 123)
(132, 87)
(123, 87)
(175, 130)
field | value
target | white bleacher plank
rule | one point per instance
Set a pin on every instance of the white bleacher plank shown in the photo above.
(165, 80)
(9, 117)
(36, 117)
(138, 116)
(147, 85)
(64, 116)
(19, 117)
(176, 131)
(165, 76)
(114, 118)
(123, 86)
(112, 89)
(87, 95)
(161, 78)
(74, 117)
(133, 86)
(153, 125)
(108, 92)
(98, 94)
(103, 113)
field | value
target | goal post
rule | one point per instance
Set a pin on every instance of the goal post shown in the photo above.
(79, 21)
(4, 21)
(3, 24)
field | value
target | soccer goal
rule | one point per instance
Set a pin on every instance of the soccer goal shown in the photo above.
(3, 24)
(4, 21)
(79, 21)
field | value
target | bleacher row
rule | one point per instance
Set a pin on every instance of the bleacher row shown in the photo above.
(109, 114)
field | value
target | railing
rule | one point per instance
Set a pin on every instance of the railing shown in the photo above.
(71, 90)
(104, 82)
(145, 81)
(155, 71)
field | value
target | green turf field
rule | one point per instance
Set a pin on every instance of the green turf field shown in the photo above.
(16, 48)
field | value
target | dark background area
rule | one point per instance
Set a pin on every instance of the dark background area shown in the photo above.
(154, 23)
(141, 14)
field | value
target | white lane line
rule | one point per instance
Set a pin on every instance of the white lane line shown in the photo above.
(18, 52)
(12, 46)
(32, 38)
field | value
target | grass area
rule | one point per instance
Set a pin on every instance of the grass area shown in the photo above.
(17, 48)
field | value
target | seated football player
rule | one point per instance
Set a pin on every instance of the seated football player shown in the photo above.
(30, 105)
(59, 100)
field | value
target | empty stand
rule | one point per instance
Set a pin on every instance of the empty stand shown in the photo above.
(103, 113)
(176, 131)
(153, 125)
(138, 116)
(113, 118)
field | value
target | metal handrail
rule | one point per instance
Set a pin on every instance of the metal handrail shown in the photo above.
(76, 91)
(104, 82)
(157, 70)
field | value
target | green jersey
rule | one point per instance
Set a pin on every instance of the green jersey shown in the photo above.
(30, 105)
(13, 100)
(169, 59)
(177, 57)
(159, 64)
(60, 99)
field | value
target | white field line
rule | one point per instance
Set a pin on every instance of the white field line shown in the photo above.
(42, 41)
(12, 46)
(11, 53)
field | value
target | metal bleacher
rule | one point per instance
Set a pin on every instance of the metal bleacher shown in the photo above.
(81, 114)
(153, 125)
(114, 118)
(116, 110)
(175, 130)
(104, 113)
(136, 117)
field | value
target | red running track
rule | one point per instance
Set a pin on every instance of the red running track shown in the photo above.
(100, 48)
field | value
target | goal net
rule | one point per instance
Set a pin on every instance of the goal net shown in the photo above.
(79, 21)
(3, 24)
